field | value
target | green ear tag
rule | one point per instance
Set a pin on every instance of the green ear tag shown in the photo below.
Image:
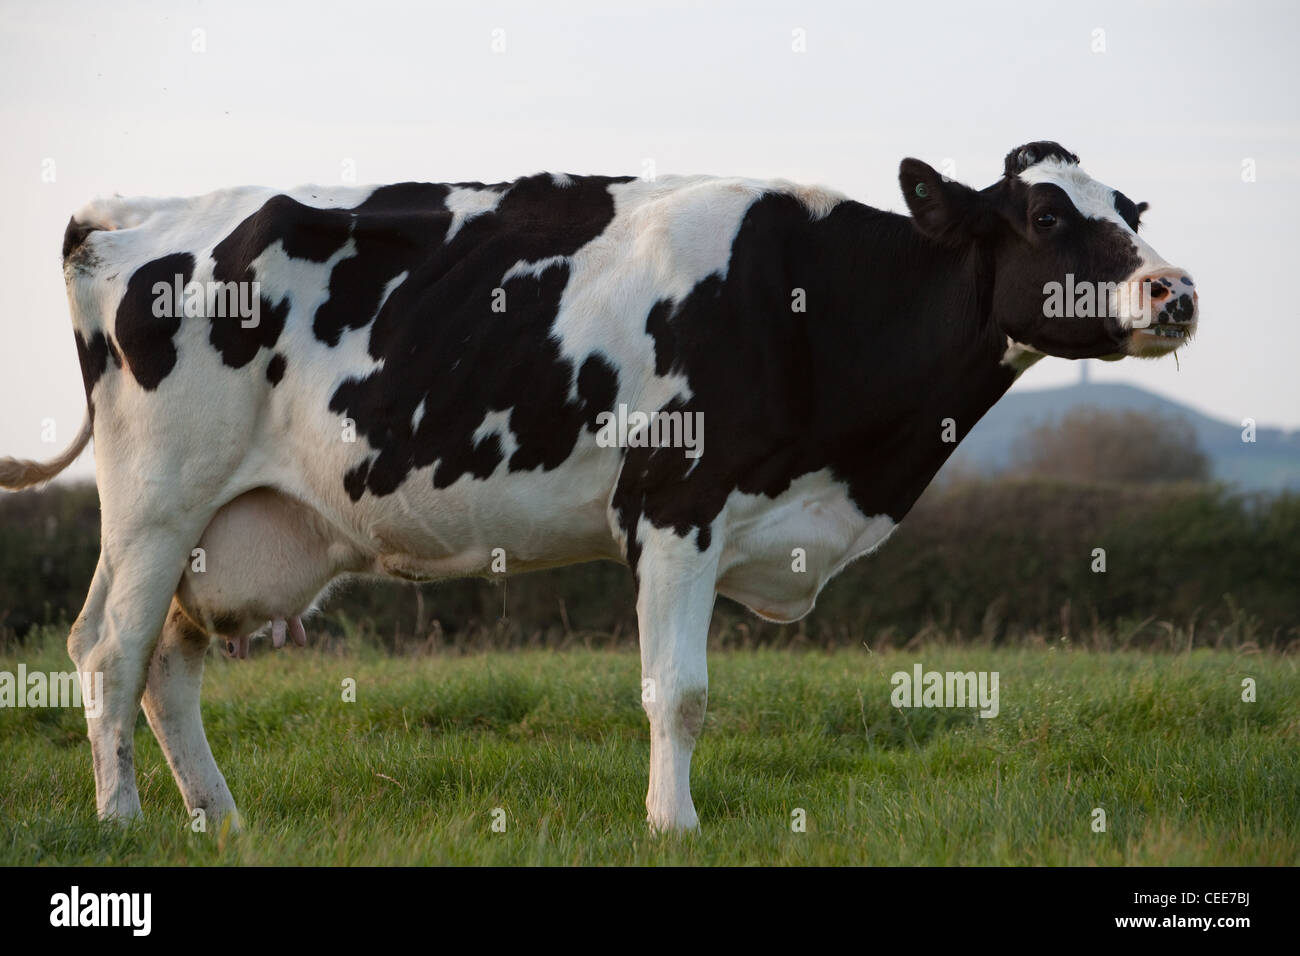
(921, 191)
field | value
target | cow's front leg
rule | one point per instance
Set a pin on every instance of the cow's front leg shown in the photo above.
(676, 585)
(171, 702)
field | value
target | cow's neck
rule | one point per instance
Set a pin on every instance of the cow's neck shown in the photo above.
(915, 361)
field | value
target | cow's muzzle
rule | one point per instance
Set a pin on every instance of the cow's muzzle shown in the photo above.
(1168, 310)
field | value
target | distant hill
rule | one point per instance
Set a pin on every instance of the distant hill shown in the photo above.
(1271, 463)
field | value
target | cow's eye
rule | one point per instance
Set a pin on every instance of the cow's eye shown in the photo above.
(1045, 220)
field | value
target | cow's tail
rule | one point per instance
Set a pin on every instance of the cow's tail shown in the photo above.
(17, 473)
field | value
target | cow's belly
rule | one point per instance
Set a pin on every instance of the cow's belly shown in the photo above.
(268, 555)
(487, 531)
(504, 524)
(778, 554)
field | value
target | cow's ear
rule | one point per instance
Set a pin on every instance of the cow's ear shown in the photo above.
(941, 208)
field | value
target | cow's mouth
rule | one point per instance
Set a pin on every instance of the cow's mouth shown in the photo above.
(1165, 332)
(1157, 340)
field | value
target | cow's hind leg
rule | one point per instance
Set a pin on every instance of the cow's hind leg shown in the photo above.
(675, 595)
(139, 568)
(171, 702)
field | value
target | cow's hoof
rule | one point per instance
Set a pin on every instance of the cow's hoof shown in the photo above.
(122, 816)
(219, 821)
(674, 823)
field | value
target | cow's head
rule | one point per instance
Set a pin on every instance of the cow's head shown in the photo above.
(1071, 276)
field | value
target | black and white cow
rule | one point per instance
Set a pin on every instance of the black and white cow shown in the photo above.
(435, 378)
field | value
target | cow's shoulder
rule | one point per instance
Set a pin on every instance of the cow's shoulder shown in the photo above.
(700, 211)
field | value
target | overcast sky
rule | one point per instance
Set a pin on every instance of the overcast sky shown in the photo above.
(1168, 102)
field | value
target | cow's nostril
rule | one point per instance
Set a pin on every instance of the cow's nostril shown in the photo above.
(1159, 292)
(1181, 309)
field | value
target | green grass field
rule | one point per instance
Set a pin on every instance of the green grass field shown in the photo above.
(411, 773)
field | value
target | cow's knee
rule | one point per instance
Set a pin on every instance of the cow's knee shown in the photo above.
(690, 713)
(678, 714)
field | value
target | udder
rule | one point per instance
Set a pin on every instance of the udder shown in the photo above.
(265, 558)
